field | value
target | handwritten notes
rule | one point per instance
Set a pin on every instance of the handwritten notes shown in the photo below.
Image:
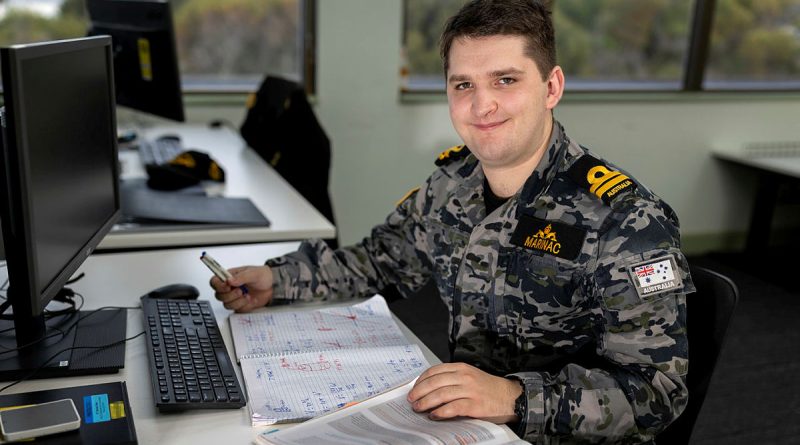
(364, 325)
(299, 364)
(294, 387)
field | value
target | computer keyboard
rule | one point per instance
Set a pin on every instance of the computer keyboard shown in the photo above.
(189, 366)
(159, 151)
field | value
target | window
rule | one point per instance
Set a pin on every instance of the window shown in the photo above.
(755, 45)
(222, 44)
(641, 44)
(622, 44)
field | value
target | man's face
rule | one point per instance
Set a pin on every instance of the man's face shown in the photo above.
(499, 104)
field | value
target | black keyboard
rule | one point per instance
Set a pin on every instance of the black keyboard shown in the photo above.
(189, 366)
(159, 151)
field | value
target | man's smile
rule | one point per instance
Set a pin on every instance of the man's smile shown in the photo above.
(488, 126)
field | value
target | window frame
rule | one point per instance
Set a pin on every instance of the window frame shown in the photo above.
(307, 54)
(226, 93)
(692, 82)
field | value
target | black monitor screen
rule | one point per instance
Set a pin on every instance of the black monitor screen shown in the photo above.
(145, 60)
(59, 196)
(60, 163)
(71, 192)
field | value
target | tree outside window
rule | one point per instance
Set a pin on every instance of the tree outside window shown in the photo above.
(637, 44)
(222, 44)
(755, 44)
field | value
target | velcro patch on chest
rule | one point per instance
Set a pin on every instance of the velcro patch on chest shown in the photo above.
(551, 237)
(601, 181)
(655, 276)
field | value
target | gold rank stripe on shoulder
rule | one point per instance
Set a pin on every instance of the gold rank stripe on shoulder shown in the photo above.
(451, 153)
(445, 155)
(406, 196)
(602, 181)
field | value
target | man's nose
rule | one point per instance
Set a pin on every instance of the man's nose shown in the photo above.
(484, 102)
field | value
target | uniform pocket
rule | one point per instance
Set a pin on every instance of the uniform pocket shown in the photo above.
(448, 246)
(541, 291)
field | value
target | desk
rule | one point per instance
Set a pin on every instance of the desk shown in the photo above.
(773, 172)
(247, 175)
(119, 279)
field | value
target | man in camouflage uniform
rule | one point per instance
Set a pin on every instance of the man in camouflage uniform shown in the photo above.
(563, 275)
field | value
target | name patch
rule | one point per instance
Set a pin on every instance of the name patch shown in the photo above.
(655, 276)
(603, 182)
(554, 238)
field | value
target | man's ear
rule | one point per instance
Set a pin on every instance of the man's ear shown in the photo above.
(555, 87)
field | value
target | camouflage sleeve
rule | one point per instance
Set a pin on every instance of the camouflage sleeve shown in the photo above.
(392, 254)
(639, 287)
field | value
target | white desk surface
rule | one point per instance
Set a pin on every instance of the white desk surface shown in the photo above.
(785, 164)
(120, 279)
(246, 175)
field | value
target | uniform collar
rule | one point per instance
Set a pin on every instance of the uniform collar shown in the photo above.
(469, 195)
(545, 172)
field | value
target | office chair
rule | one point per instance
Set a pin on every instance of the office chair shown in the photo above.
(709, 311)
(281, 127)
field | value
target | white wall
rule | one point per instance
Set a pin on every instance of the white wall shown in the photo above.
(382, 147)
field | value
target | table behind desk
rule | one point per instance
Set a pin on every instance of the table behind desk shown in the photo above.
(773, 172)
(246, 176)
(120, 279)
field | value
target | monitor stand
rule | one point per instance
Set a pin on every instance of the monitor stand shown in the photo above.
(95, 328)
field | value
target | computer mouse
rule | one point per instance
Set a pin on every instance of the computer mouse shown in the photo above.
(127, 136)
(173, 137)
(175, 292)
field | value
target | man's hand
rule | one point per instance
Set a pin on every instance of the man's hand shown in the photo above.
(457, 389)
(257, 279)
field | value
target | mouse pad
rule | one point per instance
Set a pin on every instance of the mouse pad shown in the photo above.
(142, 203)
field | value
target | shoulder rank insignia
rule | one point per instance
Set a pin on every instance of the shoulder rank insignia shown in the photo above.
(601, 181)
(409, 194)
(451, 154)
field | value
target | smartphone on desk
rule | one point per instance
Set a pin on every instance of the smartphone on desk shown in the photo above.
(31, 421)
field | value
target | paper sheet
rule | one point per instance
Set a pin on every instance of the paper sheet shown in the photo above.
(366, 324)
(389, 419)
(292, 387)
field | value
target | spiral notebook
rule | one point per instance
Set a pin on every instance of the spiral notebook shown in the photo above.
(300, 364)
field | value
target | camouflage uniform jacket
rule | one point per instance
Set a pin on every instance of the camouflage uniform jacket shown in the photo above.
(551, 288)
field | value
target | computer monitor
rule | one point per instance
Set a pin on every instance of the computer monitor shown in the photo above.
(145, 59)
(60, 196)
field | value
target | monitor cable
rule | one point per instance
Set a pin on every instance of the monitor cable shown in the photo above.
(33, 373)
(65, 295)
(63, 333)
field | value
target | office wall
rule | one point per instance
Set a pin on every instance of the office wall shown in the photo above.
(382, 147)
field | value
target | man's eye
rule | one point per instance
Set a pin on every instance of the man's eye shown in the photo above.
(463, 86)
(506, 81)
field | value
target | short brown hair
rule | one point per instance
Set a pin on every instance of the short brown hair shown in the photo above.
(526, 18)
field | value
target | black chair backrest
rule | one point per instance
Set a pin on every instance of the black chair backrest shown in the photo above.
(708, 313)
(282, 128)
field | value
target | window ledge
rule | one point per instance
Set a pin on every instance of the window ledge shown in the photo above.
(215, 98)
(578, 97)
